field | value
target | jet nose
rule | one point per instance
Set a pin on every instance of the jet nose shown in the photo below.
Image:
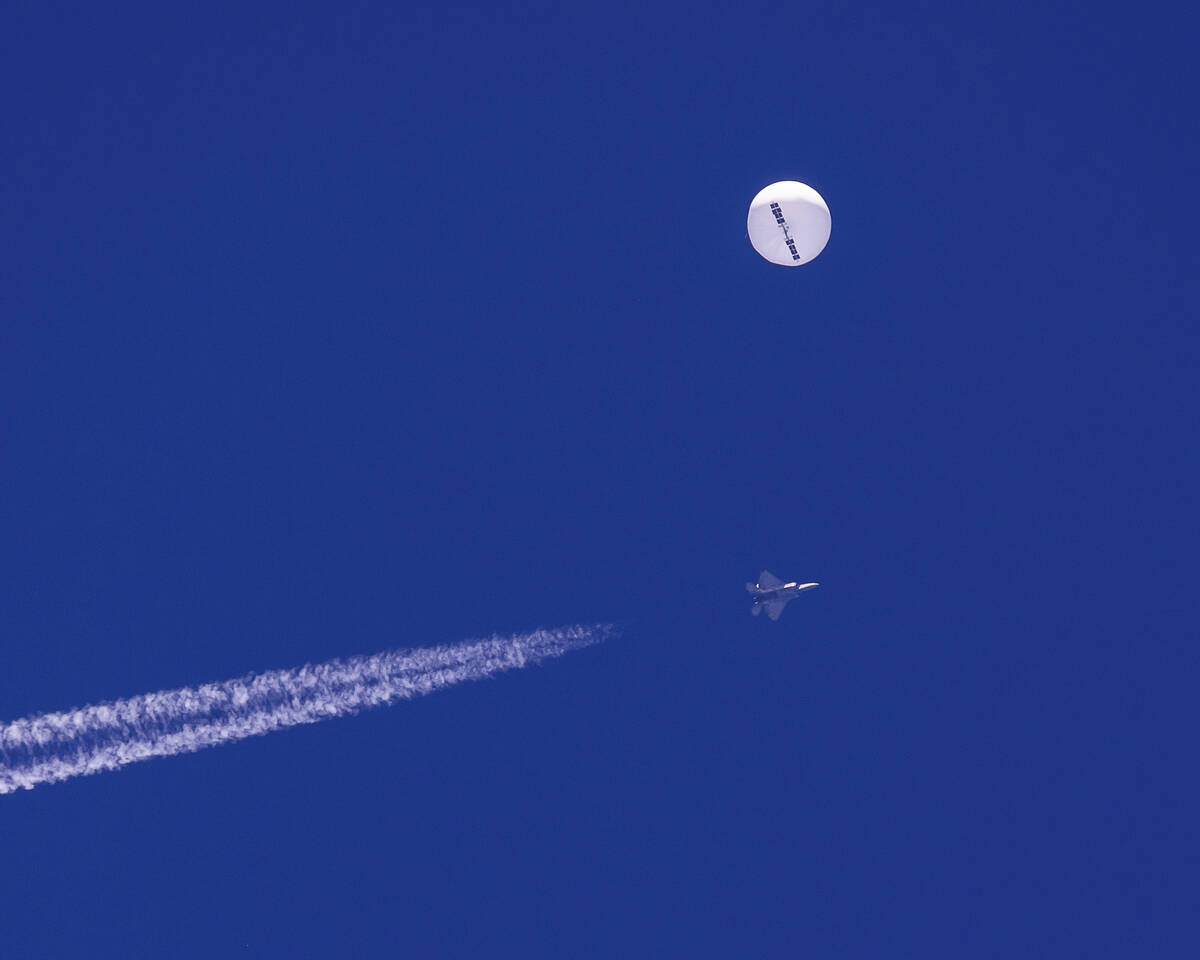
(808, 586)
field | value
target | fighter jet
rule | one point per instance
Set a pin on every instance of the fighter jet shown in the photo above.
(772, 594)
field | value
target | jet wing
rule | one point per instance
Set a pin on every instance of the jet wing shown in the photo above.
(774, 608)
(768, 581)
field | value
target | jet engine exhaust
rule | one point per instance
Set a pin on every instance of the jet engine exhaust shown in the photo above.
(50, 747)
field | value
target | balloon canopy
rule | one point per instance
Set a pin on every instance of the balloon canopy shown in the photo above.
(788, 223)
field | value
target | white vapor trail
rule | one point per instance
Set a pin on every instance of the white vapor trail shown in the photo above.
(49, 747)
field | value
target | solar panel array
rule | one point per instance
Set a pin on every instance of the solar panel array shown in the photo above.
(791, 244)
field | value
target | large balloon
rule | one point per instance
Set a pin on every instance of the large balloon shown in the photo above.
(788, 223)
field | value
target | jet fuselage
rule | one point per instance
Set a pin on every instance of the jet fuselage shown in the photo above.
(787, 591)
(772, 595)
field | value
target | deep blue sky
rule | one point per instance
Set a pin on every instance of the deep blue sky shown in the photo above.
(327, 329)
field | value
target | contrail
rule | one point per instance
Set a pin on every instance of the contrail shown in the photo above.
(49, 747)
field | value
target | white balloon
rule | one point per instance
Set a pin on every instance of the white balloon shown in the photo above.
(788, 223)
